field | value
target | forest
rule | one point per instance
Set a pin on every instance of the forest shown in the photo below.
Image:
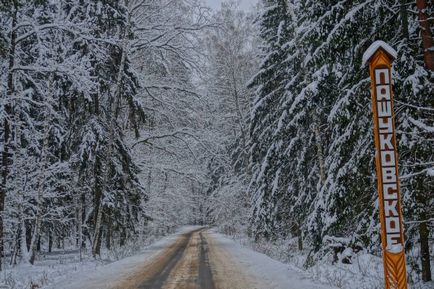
(122, 120)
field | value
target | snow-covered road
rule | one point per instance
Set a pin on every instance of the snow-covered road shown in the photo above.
(195, 258)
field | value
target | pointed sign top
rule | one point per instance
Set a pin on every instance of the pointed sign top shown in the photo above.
(374, 47)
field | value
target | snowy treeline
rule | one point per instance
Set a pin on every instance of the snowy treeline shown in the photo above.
(231, 61)
(310, 173)
(99, 122)
(124, 119)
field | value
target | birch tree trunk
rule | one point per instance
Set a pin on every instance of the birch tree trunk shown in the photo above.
(23, 243)
(238, 108)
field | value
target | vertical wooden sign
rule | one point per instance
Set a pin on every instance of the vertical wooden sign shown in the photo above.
(380, 57)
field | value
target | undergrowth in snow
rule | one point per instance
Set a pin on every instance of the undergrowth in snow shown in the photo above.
(365, 271)
(63, 264)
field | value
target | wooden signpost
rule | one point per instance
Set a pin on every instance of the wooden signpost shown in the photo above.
(380, 57)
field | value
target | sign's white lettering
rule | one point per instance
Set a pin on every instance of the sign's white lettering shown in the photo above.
(386, 142)
(382, 76)
(387, 157)
(393, 239)
(390, 191)
(385, 125)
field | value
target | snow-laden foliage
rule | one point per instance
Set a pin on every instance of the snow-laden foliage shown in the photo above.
(95, 97)
(120, 119)
(230, 63)
(311, 145)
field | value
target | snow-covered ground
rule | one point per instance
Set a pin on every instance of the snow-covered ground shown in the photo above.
(105, 276)
(271, 273)
(364, 272)
(63, 270)
(66, 272)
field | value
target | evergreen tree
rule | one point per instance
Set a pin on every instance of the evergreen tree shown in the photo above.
(270, 84)
(312, 150)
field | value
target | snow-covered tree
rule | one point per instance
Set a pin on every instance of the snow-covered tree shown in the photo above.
(270, 83)
(313, 174)
(231, 58)
(83, 80)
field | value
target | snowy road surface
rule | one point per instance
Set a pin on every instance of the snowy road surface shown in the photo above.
(196, 259)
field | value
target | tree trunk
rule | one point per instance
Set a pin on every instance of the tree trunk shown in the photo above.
(58, 244)
(38, 246)
(96, 248)
(426, 33)
(83, 229)
(238, 108)
(422, 190)
(28, 234)
(404, 18)
(35, 237)
(24, 242)
(16, 247)
(425, 252)
(320, 154)
(50, 241)
(80, 227)
(108, 236)
(300, 238)
(7, 130)
(98, 207)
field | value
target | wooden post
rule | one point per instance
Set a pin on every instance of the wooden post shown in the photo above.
(380, 57)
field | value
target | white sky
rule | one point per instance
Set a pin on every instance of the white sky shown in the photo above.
(246, 4)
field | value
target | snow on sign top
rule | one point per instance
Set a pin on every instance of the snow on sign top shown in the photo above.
(374, 47)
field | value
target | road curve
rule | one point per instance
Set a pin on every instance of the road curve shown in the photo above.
(193, 261)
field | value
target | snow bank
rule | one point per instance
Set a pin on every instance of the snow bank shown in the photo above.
(364, 272)
(272, 273)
